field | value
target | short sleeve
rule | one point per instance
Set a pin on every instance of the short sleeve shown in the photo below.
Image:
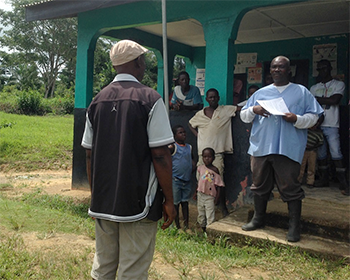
(340, 88)
(195, 120)
(158, 126)
(230, 110)
(197, 98)
(88, 134)
(312, 90)
(218, 181)
(173, 98)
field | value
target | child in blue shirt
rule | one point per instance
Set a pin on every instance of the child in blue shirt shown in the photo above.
(183, 166)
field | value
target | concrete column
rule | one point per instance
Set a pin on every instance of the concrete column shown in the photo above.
(83, 97)
(219, 60)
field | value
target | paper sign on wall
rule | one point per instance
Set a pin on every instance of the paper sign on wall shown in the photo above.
(245, 60)
(200, 80)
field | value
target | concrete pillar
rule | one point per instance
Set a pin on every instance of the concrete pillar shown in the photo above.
(83, 97)
(219, 61)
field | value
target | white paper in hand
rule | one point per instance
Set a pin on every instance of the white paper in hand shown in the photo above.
(274, 106)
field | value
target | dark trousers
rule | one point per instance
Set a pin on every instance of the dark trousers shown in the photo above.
(271, 169)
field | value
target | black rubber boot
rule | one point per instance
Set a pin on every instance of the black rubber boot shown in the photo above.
(323, 181)
(177, 219)
(260, 203)
(341, 171)
(184, 206)
(294, 209)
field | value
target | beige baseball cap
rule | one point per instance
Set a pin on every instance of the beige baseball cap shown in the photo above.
(125, 51)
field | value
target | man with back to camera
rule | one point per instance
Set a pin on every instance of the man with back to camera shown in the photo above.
(126, 138)
(277, 144)
(328, 93)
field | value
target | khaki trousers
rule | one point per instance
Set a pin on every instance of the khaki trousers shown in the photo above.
(126, 247)
(309, 159)
(206, 209)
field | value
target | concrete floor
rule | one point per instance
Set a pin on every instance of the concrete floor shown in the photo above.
(325, 222)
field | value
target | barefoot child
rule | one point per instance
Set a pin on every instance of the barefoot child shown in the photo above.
(208, 191)
(183, 166)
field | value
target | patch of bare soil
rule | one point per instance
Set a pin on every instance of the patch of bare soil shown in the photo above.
(51, 182)
(160, 269)
(59, 182)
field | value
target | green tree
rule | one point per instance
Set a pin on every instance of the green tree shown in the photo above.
(19, 72)
(49, 44)
(179, 65)
(104, 72)
(3, 71)
(151, 73)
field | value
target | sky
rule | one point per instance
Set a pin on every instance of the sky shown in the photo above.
(4, 5)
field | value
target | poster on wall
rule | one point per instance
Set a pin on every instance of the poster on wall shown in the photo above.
(254, 75)
(200, 80)
(325, 51)
(245, 60)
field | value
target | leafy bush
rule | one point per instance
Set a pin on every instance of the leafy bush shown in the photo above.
(68, 104)
(59, 105)
(9, 99)
(30, 103)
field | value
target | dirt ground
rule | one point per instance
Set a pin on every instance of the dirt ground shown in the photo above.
(59, 182)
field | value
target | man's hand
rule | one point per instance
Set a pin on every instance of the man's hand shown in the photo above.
(290, 117)
(178, 106)
(162, 162)
(169, 214)
(259, 110)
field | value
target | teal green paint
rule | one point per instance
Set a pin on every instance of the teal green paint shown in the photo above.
(218, 68)
(199, 57)
(160, 78)
(191, 70)
(123, 16)
(149, 40)
(84, 68)
(217, 58)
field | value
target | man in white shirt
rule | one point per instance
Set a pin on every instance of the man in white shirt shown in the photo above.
(329, 93)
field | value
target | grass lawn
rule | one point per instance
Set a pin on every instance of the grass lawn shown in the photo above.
(35, 142)
(46, 236)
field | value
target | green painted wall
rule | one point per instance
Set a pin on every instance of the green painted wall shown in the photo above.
(120, 21)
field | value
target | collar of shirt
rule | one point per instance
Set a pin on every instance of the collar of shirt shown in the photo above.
(125, 77)
(282, 88)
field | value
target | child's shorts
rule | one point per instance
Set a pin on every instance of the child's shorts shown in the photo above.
(181, 190)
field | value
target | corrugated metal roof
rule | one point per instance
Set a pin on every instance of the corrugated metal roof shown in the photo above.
(36, 3)
(53, 9)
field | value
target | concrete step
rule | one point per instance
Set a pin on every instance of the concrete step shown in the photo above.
(311, 243)
(320, 218)
(325, 222)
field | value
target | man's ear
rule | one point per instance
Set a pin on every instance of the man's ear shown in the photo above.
(137, 62)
